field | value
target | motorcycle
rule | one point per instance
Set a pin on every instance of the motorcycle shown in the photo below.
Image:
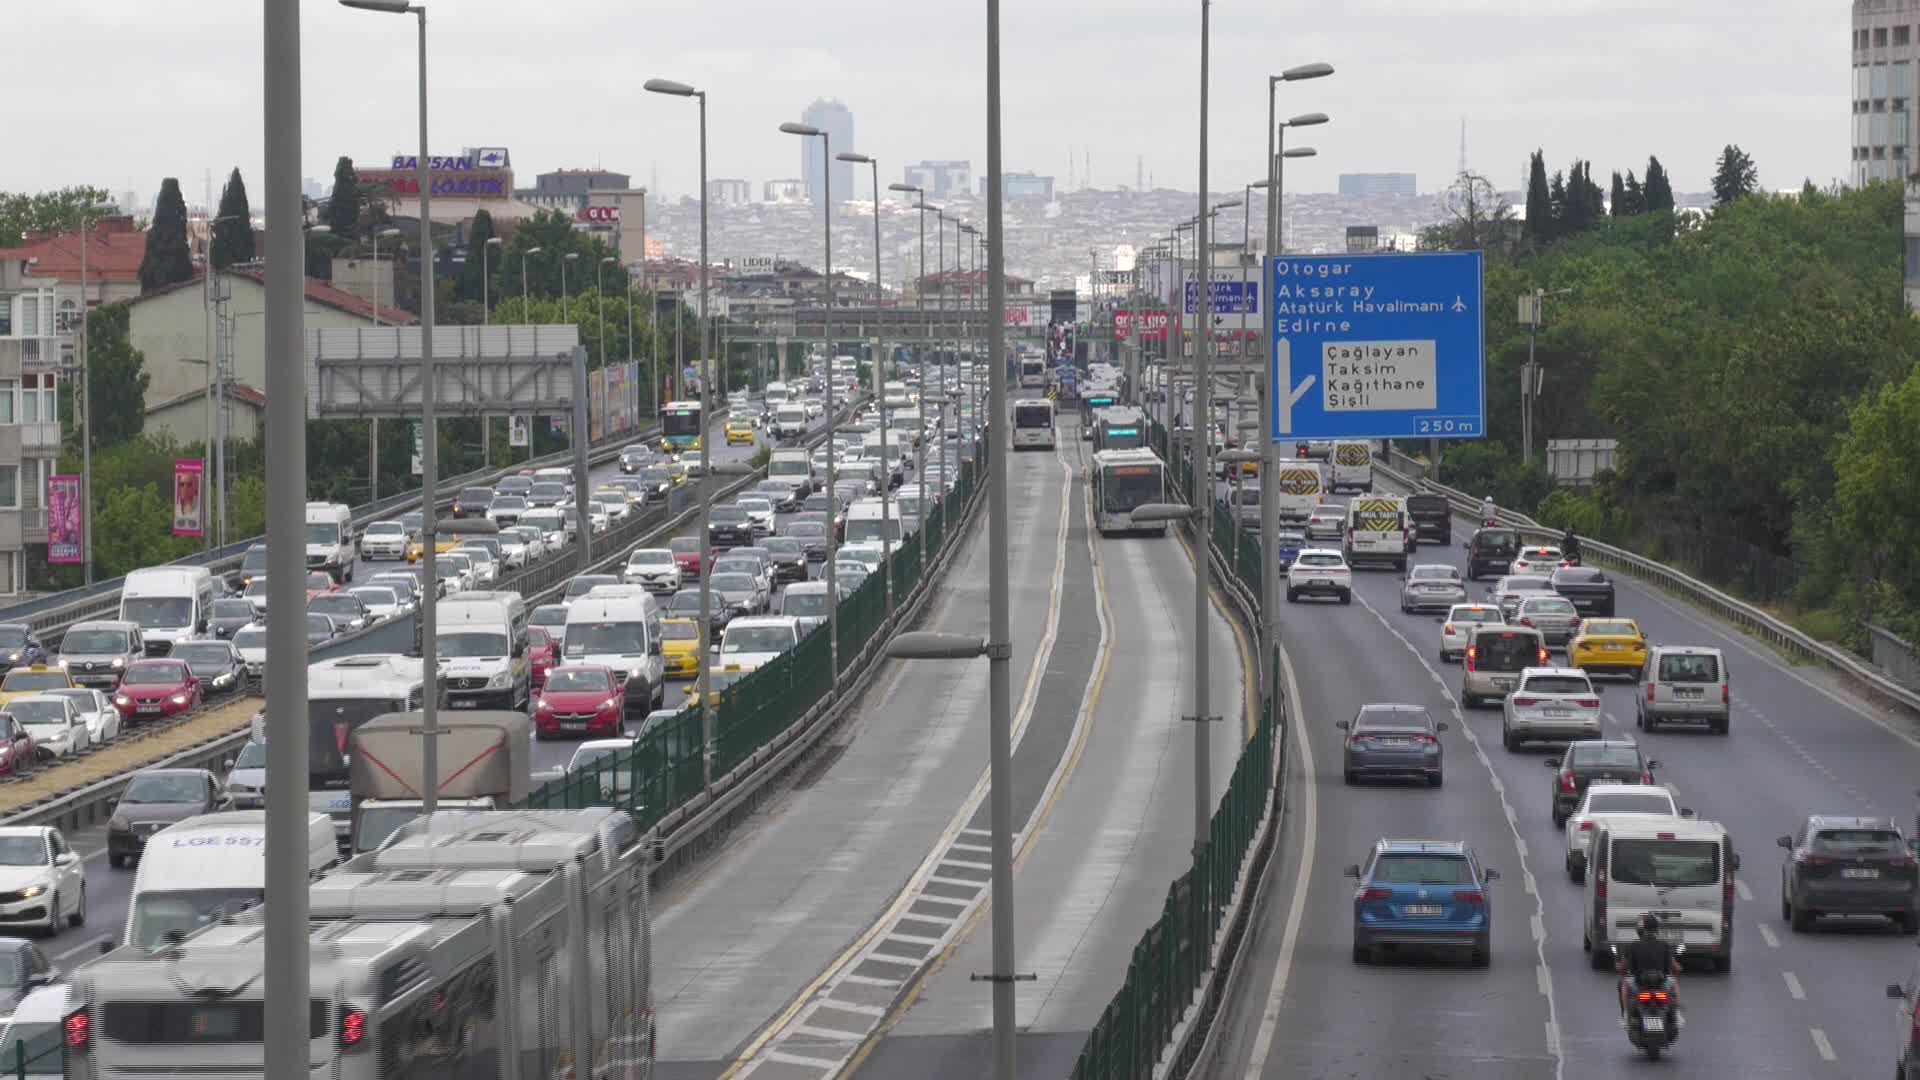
(1653, 1011)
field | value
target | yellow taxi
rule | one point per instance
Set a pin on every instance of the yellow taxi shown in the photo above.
(1609, 646)
(740, 432)
(680, 647)
(721, 680)
(37, 679)
(677, 471)
(442, 543)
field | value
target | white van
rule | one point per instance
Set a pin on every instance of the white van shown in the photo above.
(894, 395)
(750, 641)
(777, 394)
(170, 604)
(865, 521)
(1680, 869)
(1352, 466)
(1298, 488)
(482, 637)
(33, 1043)
(789, 422)
(792, 465)
(194, 871)
(1378, 531)
(622, 633)
(330, 540)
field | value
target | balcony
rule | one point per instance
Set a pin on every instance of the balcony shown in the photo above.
(20, 355)
(33, 525)
(40, 438)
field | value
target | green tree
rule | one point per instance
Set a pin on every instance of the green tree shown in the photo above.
(1617, 199)
(168, 260)
(344, 205)
(1636, 197)
(321, 250)
(1659, 189)
(553, 233)
(1539, 223)
(1734, 176)
(1557, 204)
(46, 211)
(233, 226)
(482, 263)
(117, 377)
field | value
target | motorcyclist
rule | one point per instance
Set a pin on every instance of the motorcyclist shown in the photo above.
(1570, 546)
(1646, 953)
(1486, 509)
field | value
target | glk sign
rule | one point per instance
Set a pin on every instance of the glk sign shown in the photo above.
(597, 215)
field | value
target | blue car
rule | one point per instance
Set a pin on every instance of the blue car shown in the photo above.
(1289, 543)
(1425, 894)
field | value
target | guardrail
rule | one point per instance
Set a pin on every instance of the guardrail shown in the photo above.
(1858, 674)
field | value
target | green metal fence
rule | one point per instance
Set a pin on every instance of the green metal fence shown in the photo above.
(1172, 958)
(39, 1051)
(663, 770)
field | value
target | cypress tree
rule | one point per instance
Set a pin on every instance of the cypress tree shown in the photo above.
(1659, 190)
(479, 258)
(1539, 223)
(233, 231)
(168, 260)
(1557, 200)
(1619, 195)
(1576, 215)
(343, 207)
(1636, 196)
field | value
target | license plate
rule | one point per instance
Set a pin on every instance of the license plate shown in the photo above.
(1670, 935)
(1505, 684)
(1859, 874)
(1653, 1024)
(1613, 648)
(574, 725)
(1687, 691)
(147, 709)
(463, 703)
(1422, 909)
(1559, 713)
(1321, 581)
(1396, 742)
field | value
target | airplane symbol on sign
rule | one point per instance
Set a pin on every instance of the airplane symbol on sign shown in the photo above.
(490, 158)
(1459, 304)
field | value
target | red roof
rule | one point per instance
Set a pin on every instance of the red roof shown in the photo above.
(114, 250)
(236, 391)
(317, 291)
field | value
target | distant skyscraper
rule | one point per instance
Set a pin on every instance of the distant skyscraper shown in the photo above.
(1375, 184)
(837, 121)
(941, 178)
(729, 192)
(1885, 52)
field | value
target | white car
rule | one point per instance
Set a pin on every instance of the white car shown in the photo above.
(1550, 703)
(382, 602)
(1320, 572)
(54, 722)
(759, 511)
(96, 708)
(1326, 522)
(613, 502)
(1537, 560)
(251, 640)
(513, 549)
(39, 870)
(1604, 802)
(653, 568)
(694, 462)
(384, 540)
(1458, 626)
(486, 569)
(531, 542)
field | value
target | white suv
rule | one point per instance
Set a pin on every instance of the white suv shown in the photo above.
(1320, 572)
(1550, 703)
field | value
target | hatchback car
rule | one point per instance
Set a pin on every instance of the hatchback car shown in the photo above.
(1553, 616)
(472, 502)
(578, 699)
(20, 645)
(347, 610)
(1686, 685)
(685, 604)
(740, 593)
(729, 526)
(689, 554)
(230, 613)
(1616, 760)
(760, 512)
(789, 558)
(1490, 552)
(43, 885)
(1610, 647)
(810, 535)
(1393, 740)
(654, 568)
(1510, 590)
(680, 651)
(96, 709)
(217, 664)
(1550, 704)
(155, 799)
(1604, 803)
(152, 689)
(543, 652)
(1422, 894)
(1844, 865)
(54, 724)
(1457, 627)
(1320, 572)
(1432, 586)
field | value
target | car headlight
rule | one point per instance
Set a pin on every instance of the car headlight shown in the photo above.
(222, 680)
(499, 679)
(32, 891)
(610, 703)
(118, 823)
(60, 663)
(178, 699)
(119, 661)
(122, 699)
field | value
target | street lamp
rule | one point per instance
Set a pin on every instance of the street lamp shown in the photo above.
(526, 311)
(920, 354)
(486, 279)
(808, 131)
(886, 514)
(682, 90)
(600, 302)
(566, 301)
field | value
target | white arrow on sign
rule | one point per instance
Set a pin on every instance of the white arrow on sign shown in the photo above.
(1283, 362)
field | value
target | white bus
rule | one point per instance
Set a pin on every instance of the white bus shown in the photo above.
(1122, 481)
(342, 694)
(1033, 372)
(1033, 424)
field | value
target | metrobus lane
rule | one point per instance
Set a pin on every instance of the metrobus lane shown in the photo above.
(1093, 867)
(1308, 1007)
(1794, 1003)
(744, 940)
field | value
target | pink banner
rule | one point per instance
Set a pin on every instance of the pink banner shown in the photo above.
(1150, 325)
(188, 497)
(66, 521)
(1122, 325)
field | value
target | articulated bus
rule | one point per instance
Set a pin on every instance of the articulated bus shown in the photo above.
(1120, 428)
(682, 427)
(1033, 424)
(1091, 403)
(1122, 481)
(1033, 373)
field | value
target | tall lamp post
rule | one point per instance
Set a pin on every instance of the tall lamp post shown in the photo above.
(526, 309)
(430, 441)
(886, 511)
(373, 424)
(920, 355)
(683, 90)
(486, 319)
(566, 300)
(808, 131)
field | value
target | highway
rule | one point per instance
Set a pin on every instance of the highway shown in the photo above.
(1794, 1005)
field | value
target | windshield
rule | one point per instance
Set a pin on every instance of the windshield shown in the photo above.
(679, 630)
(1422, 870)
(161, 612)
(583, 584)
(12, 637)
(1319, 559)
(252, 756)
(1604, 757)
(379, 822)
(258, 588)
(323, 534)
(1666, 863)
(1540, 554)
(154, 788)
(1496, 541)
(1126, 488)
(732, 583)
(688, 602)
(38, 1046)
(650, 557)
(578, 681)
(601, 638)
(335, 604)
(549, 615)
(685, 545)
(1435, 573)
(250, 637)
(386, 528)
(656, 475)
(547, 490)
(254, 562)
(804, 603)
(1558, 684)
(1474, 615)
(469, 643)
(232, 609)
(508, 502)
(23, 851)
(155, 914)
(1610, 628)
(1032, 416)
(1681, 668)
(38, 712)
(811, 530)
(1547, 607)
(155, 675)
(211, 656)
(1857, 841)
(783, 545)
(756, 639)
(729, 514)
(1628, 802)
(373, 596)
(101, 642)
(319, 625)
(754, 505)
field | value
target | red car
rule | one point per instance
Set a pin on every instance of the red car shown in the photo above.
(151, 689)
(542, 653)
(16, 746)
(578, 699)
(688, 556)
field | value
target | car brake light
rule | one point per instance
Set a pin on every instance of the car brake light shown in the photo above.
(1903, 862)
(1588, 702)
(1525, 702)
(1649, 691)
(1726, 695)
(1646, 777)
(78, 1029)
(1586, 826)
(1566, 782)
(353, 1028)
(1368, 896)
(1665, 836)
(1808, 858)
(1425, 739)
(1543, 656)
(1473, 654)
(1469, 896)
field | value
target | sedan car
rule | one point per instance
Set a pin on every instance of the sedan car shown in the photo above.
(680, 650)
(741, 593)
(152, 689)
(472, 502)
(1550, 703)
(789, 558)
(54, 724)
(1432, 586)
(1320, 572)
(155, 799)
(1393, 740)
(578, 699)
(729, 526)
(658, 480)
(320, 629)
(685, 604)
(1605, 802)
(1845, 865)
(251, 640)
(217, 664)
(810, 535)
(1456, 630)
(384, 540)
(1609, 646)
(230, 613)
(345, 608)
(545, 493)
(760, 512)
(96, 709)
(740, 431)
(1326, 522)
(1595, 760)
(505, 510)
(1422, 894)
(786, 493)
(382, 602)
(1553, 616)
(1538, 560)
(1587, 587)
(44, 884)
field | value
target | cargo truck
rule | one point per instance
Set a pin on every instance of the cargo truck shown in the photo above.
(484, 765)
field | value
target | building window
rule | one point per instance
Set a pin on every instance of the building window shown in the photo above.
(9, 487)
(1913, 258)
(9, 391)
(30, 315)
(1878, 130)
(1879, 37)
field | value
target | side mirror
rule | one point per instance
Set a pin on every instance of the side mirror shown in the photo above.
(1489, 875)
(1784, 841)
(1441, 726)
(106, 946)
(1896, 992)
(66, 858)
(1342, 725)
(226, 763)
(1686, 811)
(1552, 763)
(1733, 861)
(1653, 763)
(1352, 870)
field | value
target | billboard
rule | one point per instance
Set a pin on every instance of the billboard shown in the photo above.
(473, 182)
(597, 215)
(189, 497)
(66, 521)
(1065, 305)
(759, 264)
(519, 430)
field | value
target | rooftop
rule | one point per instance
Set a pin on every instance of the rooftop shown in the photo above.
(114, 250)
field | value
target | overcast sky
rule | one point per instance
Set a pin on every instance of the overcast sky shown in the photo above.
(172, 87)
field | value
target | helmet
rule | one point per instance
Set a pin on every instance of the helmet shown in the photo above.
(1649, 926)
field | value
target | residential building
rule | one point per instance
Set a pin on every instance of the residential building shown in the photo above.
(1373, 185)
(970, 287)
(784, 191)
(1022, 185)
(1886, 48)
(837, 121)
(940, 179)
(729, 192)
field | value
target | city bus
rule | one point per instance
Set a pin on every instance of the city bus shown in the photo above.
(1091, 403)
(1033, 373)
(1122, 481)
(1120, 428)
(681, 425)
(1033, 424)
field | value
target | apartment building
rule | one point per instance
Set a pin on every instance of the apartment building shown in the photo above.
(1886, 49)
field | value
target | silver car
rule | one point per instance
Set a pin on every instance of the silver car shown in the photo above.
(1432, 586)
(1393, 740)
(1550, 703)
(1554, 616)
(1510, 590)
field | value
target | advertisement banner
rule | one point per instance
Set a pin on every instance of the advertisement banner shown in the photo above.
(1150, 325)
(188, 497)
(66, 512)
(596, 405)
(1016, 315)
(1122, 325)
(519, 430)
(419, 446)
(469, 182)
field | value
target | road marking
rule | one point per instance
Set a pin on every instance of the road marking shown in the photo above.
(1767, 935)
(1794, 989)
(1746, 894)
(1303, 877)
(1821, 1045)
(91, 943)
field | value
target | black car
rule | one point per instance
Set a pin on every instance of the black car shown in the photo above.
(785, 495)
(728, 526)
(1587, 760)
(472, 502)
(252, 565)
(19, 647)
(1432, 517)
(217, 664)
(1845, 865)
(229, 614)
(658, 481)
(789, 556)
(635, 458)
(1491, 552)
(155, 799)
(685, 604)
(812, 536)
(1587, 587)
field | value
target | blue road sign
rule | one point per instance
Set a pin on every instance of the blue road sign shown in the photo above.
(1388, 346)
(1229, 297)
